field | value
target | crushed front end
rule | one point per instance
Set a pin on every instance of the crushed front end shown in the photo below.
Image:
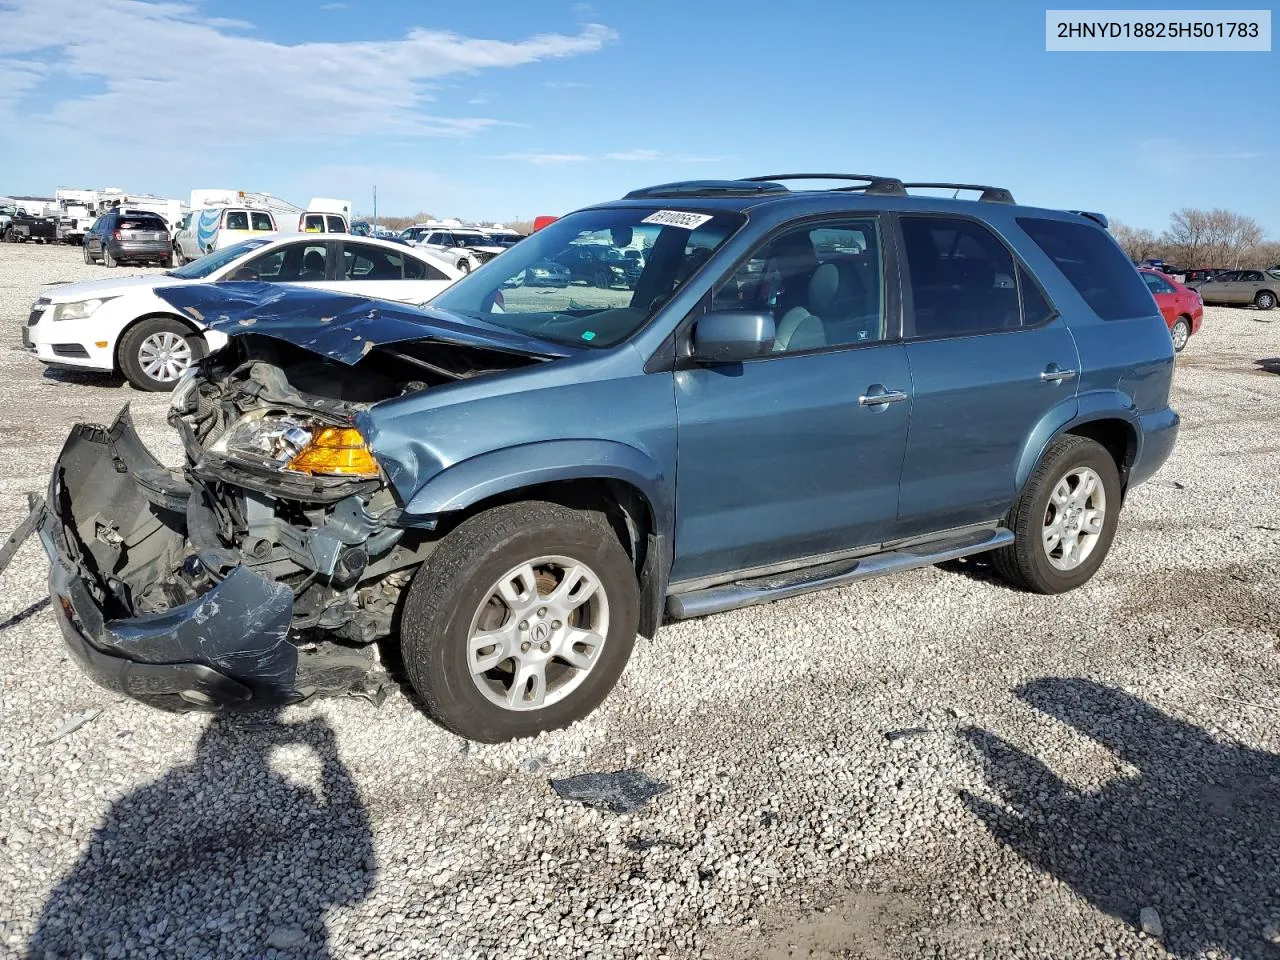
(262, 570)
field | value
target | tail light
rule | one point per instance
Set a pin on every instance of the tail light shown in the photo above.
(115, 234)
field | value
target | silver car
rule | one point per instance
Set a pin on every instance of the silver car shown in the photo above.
(1240, 287)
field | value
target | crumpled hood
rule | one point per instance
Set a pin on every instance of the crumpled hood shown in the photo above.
(338, 326)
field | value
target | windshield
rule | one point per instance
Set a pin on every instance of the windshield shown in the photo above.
(200, 268)
(593, 278)
(473, 239)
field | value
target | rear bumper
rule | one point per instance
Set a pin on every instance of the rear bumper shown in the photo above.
(110, 535)
(125, 250)
(1159, 433)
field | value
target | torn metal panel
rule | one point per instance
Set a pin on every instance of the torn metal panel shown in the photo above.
(337, 326)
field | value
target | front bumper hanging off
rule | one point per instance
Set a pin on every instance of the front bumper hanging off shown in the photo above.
(114, 523)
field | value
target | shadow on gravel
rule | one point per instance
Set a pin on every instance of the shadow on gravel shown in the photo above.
(1195, 834)
(223, 857)
(84, 378)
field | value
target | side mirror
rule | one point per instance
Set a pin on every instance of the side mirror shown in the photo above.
(732, 336)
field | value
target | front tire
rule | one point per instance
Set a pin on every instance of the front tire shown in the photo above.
(1265, 300)
(464, 265)
(156, 352)
(1065, 520)
(1180, 333)
(88, 258)
(521, 621)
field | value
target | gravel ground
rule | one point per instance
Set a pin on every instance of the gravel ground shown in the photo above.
(926, 766)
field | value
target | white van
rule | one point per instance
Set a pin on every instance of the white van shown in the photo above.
(203, 231)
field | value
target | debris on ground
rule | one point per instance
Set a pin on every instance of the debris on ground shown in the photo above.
(73, 723)
(1149, 920)
(623, 791)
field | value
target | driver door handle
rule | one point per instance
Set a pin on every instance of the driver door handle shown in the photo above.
(1055, 374)
(884, 396)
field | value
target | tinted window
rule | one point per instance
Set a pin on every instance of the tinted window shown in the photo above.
(1158, 284)
(1094, 265)
(313, 223)
(141, 223)
(1251, 276)
(1036, 308)
(287, 264)
(336, 224)
(365, 262)
(237, 220)
(962, 278)
(822, 284)
(415, 269)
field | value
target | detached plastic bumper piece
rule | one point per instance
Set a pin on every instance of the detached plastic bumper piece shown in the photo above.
(115, 527)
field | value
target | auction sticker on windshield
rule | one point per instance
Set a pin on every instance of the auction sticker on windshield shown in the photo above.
(677, 218)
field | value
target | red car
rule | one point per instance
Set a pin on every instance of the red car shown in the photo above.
(1181, 306)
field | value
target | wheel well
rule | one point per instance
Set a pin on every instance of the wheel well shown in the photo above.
(625, 509)
(151, 316)
(1119, 439)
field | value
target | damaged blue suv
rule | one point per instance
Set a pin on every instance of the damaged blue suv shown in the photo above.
(787, 389)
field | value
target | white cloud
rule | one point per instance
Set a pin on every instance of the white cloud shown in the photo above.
(564, 85)
(627, 156)
(543, 158)
(204, 82)
(1171, 158)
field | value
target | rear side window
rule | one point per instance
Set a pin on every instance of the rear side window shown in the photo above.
(963, 279)
(1094, 265)
(417, 270)
(1158, 284)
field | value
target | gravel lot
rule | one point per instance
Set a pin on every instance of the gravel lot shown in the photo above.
(927, 766)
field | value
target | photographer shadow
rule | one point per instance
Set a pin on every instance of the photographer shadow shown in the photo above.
(224, 856)
(1194, 834)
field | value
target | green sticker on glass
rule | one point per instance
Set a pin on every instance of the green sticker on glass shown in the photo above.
(588, 335)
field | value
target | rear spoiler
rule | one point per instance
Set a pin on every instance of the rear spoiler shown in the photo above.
(1099, 218)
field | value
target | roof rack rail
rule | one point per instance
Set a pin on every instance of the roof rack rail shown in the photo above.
(989, 194)
(708, 188)
(870, 183)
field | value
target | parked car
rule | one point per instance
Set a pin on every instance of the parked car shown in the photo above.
(1193, 278)
(124, 325)
(1243, 287)
(597, 265)
(23, 226)
(465, 249)
(1180, 306)
(542, 273)
(128, 237)
(518, 482)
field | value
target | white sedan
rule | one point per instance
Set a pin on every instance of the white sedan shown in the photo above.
(121, 325)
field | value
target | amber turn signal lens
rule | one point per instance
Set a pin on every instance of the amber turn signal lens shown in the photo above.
(336, 451)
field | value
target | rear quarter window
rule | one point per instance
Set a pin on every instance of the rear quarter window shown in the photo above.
(1094, 265)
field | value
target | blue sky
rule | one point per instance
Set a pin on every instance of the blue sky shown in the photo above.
(504, 109)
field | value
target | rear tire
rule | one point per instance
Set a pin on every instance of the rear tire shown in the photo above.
(1075, 490)
(1180, 333)
(145, 346)
(178, 258)
(107, 259)
(457, 596)
(1265, 300)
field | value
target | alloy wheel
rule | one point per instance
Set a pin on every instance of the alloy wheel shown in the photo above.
(1074, 518)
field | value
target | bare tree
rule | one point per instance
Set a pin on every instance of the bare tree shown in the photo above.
(1138, 243)
(1187, 236)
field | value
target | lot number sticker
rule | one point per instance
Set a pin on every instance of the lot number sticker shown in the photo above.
(677, 218)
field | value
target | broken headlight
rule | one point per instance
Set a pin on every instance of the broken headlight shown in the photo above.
(292, 443)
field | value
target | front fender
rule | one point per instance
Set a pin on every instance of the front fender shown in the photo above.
(512, 468)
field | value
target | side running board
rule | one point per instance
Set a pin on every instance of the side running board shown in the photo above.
(746, 593)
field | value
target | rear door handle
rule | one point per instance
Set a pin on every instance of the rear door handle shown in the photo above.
(881, 397)
(1055, 374)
